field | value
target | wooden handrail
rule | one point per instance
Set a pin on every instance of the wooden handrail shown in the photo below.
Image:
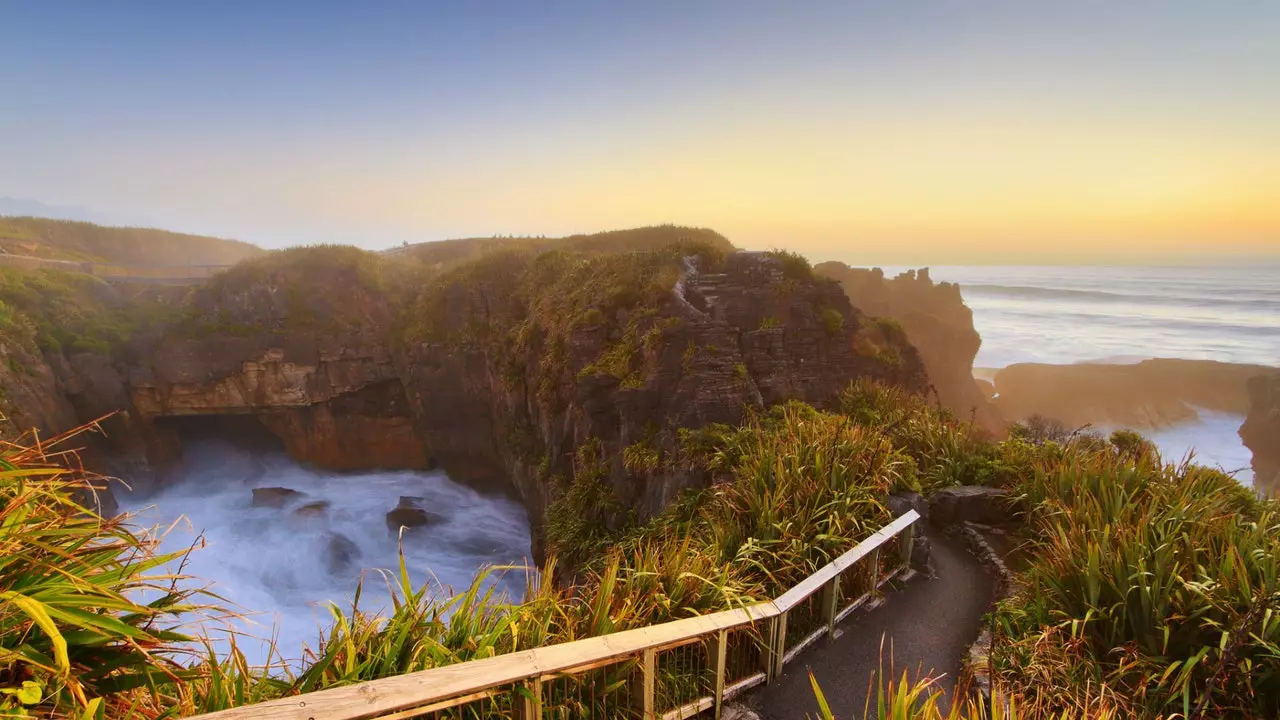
(375, 698)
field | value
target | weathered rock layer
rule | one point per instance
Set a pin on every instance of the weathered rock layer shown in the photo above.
(1261, 431)
(936, 321)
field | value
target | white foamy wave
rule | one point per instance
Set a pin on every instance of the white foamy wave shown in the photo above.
(281, 566)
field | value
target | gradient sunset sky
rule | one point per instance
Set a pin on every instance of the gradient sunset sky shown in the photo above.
(898, 132)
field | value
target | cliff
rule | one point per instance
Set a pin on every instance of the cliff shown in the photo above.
(570, 369)
(1149, 394)
(71, 240)
(936, 321)
(1261, 431)
(519, 365)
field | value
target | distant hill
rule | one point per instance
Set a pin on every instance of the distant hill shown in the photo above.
(72, 240)
(447, 253)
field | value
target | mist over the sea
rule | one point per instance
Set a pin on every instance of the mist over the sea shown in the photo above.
(1071, 314)
(281, 565)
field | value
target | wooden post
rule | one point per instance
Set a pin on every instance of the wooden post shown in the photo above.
(766, 651)
(830, 596)
(648, 673)
(529, 702)
(722, 650)
(780, 643)
(908, 543)
(875, 570)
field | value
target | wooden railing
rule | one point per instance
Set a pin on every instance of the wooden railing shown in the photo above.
(673, 670)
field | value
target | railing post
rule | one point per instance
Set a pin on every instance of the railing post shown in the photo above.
(830, 595)
(648, 673)
(874, 572)
(908, 544)
(722, 650)
(529, 702)
(780, 643)
(766, 649)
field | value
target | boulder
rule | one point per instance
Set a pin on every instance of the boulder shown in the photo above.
(900, 502)
(273, 496)
(312, 509)
(408, 513)
(341, 553)
(983, 505)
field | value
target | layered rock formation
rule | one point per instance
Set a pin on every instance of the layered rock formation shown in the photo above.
(936, 321)
(1261, 431)
(543, 369)
(743, 336)
(1149, 394)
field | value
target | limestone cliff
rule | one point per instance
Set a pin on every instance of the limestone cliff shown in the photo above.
(1261, 431)
(545, 367)
(302, 343)
(518, 375)
(936, 321)
(1149, 394)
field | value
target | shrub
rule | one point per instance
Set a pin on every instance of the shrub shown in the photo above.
(1147, 582)
(833, 321)
(794, 265)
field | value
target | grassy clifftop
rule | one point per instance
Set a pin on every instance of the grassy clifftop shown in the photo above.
(70, 240)
(446, 254)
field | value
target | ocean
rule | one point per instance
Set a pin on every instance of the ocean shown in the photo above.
(1070, 314)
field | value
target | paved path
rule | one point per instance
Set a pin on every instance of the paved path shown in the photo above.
(929, 624)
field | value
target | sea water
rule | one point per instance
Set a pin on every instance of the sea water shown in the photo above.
(1070, 314)
(281, 568)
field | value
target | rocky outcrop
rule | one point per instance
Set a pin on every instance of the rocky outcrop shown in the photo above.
(1145, 395)
(274, 497)
(1261, 432)
(408, 513)
(512, 372)
(983, 505)
(723, 343)
(938, 324)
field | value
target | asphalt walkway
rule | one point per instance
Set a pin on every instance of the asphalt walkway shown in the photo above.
(927, 626)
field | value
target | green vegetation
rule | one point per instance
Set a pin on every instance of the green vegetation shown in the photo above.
(1151, 586)
(448, 254)
(833, 321)
(56, 311)
(794, 265)
(82, 241)
(72, 629)
(519, 303)
(329, 288)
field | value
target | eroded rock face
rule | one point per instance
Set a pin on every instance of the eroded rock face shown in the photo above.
(1145, 395)
(983, 505)
(743, 338)
(936, 321)
(1261, 432)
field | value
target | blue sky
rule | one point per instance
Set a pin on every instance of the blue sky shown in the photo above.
(832, 127)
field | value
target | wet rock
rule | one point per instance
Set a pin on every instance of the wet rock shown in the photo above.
(408, 514)
(273, 496)
(983, 505)
(341, 553)
(313, 509)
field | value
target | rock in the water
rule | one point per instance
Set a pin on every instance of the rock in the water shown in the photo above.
(313, 509)
(273, 496)
(985, 505)
(408, 514)
(340, 553)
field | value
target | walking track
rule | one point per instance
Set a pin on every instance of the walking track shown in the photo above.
(927, 626)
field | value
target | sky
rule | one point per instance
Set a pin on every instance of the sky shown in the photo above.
(893, 132)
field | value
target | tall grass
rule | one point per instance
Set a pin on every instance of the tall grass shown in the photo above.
(1151, 584)
(73, 631)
